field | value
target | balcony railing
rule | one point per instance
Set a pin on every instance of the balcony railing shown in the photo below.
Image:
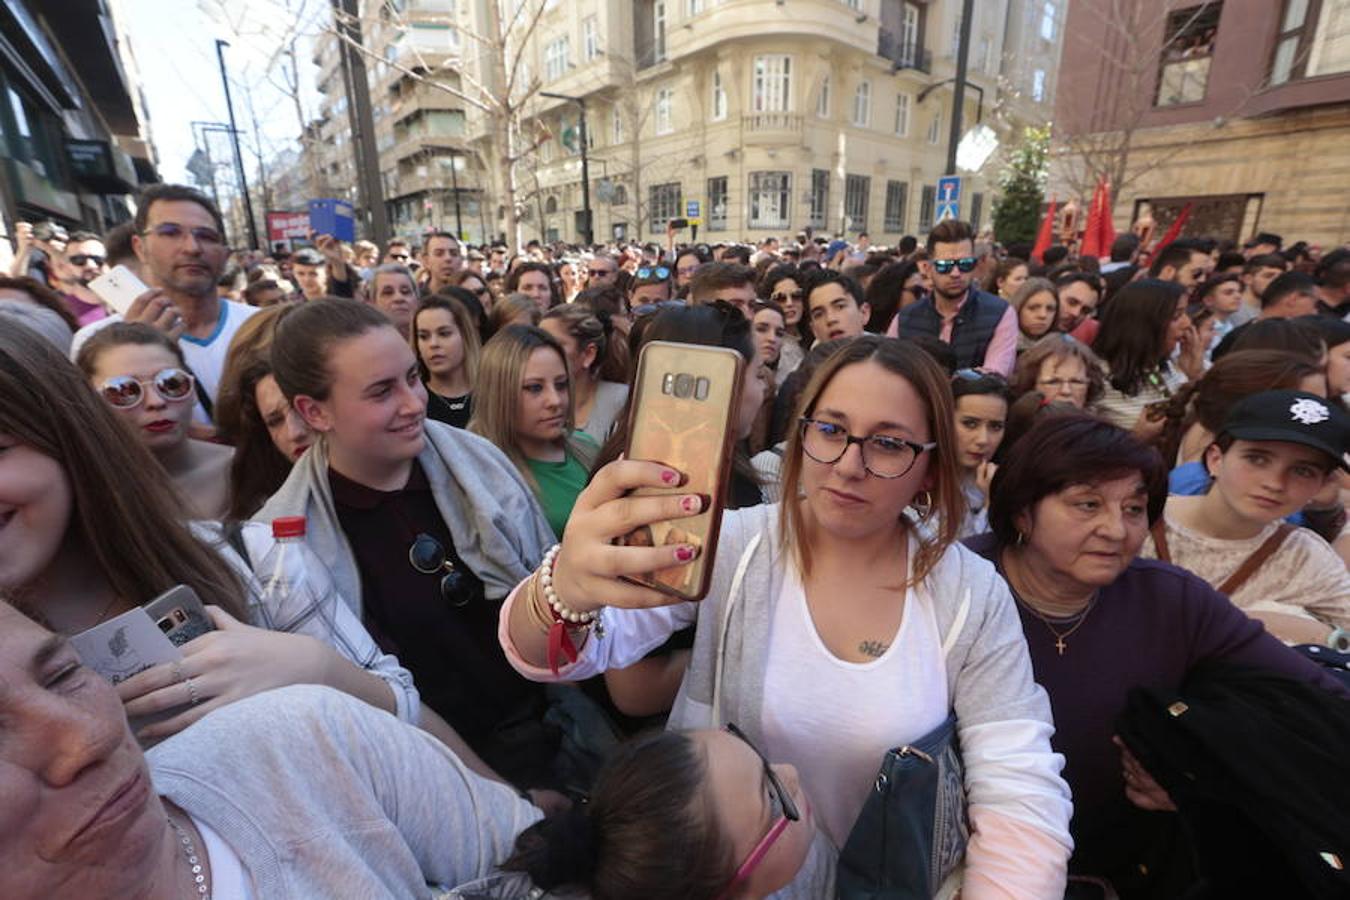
(902, 54)
(762, 122)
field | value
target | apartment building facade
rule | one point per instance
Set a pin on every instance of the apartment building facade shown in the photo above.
(1238, 108)
(768, 116)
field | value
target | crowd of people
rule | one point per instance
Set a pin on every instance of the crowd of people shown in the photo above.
(1075, 481)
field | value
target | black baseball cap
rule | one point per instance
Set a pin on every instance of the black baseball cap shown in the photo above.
(1297, 417)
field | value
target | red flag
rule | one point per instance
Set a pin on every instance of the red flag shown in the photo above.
(1046, 236)
(1092, 232)
(1174, 231)
(1107, 234)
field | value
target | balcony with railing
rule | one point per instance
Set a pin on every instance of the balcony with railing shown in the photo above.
(903, 54)
(772, 128)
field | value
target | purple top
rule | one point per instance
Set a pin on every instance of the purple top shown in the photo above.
(1149, 627)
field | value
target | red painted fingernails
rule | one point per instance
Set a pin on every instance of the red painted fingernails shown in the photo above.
(691, 503)
(684, 554)
(669, 476)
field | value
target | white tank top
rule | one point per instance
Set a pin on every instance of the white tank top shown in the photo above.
(834, 720)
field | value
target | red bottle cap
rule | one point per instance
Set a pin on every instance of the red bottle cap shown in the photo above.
(288, 527)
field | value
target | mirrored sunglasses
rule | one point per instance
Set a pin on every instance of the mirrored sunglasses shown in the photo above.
(125, 392)
(965, 264)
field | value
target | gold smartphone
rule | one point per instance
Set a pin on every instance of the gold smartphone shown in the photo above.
(683, 415)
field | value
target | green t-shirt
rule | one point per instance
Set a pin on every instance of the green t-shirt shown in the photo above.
(559, 483)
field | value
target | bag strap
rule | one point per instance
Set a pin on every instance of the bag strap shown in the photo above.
(1253, 562)
(1159, 532)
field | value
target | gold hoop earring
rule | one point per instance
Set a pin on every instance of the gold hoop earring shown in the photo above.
(924, 507)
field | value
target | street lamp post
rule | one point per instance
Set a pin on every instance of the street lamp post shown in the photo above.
(587, 233)
(454, 181)
(234, 137)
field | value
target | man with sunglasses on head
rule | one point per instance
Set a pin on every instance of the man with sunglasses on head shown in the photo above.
(85, 259)
(179, 242)
(650, 285)
(980, 327)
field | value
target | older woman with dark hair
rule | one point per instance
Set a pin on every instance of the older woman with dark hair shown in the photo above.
(1071, 506)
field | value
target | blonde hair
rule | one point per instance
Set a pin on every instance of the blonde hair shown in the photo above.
(930, 381)
(497, 395)
(468, 334)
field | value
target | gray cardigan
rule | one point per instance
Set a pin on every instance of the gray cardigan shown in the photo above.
(497, 526)
(1003, 716)
(321, 795)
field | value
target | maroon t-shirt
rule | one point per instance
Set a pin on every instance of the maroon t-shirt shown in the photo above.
(1148, 628)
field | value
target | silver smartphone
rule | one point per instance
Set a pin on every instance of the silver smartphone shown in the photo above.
(118, 287)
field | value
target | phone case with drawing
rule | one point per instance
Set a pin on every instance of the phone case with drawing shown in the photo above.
(683, 415)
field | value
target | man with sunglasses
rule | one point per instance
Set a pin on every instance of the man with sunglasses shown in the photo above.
(397, 252)
(650, 285)
(601, 270)
(980, 327)
(85, 259)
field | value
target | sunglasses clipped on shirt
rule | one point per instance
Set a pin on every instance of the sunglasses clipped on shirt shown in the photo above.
(965, 264)
(125, 392)
(428, 557)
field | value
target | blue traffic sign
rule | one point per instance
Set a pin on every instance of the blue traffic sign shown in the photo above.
(949, 189)
(948, 211)
(691, 209)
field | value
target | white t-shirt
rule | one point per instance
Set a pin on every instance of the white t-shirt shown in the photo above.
(835, 720)
(229, 881)
(204, 356)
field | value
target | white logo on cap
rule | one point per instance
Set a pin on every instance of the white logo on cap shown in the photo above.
(1309, 412)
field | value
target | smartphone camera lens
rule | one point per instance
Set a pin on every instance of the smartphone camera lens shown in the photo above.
(684, 385)
(668, 383)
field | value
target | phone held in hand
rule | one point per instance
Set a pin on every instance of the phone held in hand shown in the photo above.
(118, 287)
(180, 615)
(683, 415)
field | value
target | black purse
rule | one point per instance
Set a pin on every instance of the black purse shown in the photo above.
(912, 831)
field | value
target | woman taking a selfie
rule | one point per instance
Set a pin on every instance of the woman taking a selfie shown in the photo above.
(141, 375)
(447, 350)
(526, 413)
(424, 527)
(94, 529)
(778, 642)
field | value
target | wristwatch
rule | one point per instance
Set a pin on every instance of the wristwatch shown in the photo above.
(1339, 640)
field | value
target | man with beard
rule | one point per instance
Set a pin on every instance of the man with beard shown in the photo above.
(85, 259)
(980, 327)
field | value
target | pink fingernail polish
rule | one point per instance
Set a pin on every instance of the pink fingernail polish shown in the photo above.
(684, 554)
(691, 503)
(669, 477)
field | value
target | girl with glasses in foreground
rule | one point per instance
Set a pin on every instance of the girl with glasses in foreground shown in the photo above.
(142, 377)
(832, 595)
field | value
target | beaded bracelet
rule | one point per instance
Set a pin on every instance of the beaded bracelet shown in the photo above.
(564, 618)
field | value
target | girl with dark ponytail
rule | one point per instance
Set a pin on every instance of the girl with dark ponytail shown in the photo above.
(674, 815)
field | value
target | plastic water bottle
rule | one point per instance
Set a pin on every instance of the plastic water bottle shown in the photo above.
(296, 585)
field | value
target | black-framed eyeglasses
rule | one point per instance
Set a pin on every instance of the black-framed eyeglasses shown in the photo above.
(428, 557)
(965, 264)
(652, 273)
(882, 455)
(80, 259)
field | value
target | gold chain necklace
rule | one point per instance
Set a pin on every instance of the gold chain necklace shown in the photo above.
(1060, 644)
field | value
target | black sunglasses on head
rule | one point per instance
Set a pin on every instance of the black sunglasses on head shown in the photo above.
(965, 264)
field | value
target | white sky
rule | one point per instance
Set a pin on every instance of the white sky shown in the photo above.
(174, 44)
